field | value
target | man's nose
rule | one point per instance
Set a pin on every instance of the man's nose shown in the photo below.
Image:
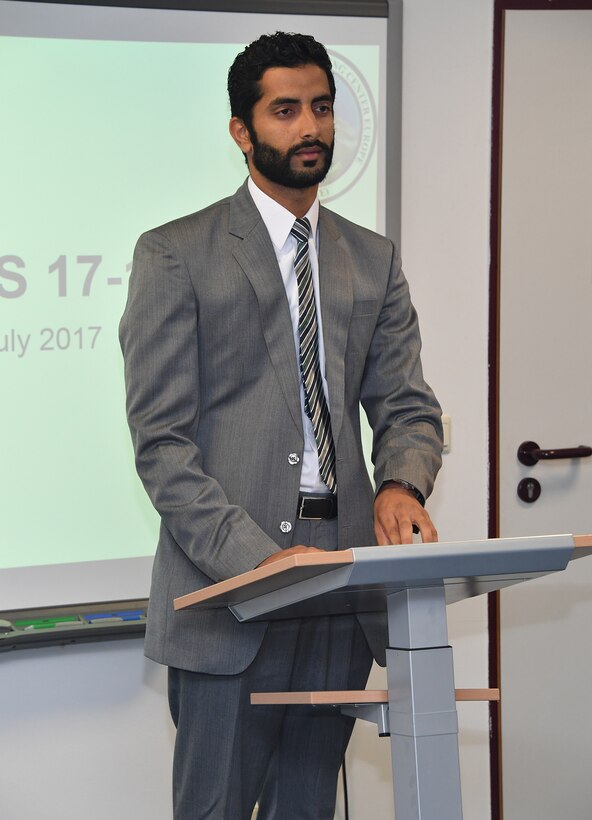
(309, 125)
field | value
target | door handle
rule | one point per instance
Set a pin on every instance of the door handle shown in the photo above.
(529, 453)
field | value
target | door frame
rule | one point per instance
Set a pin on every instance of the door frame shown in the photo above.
(493, 523)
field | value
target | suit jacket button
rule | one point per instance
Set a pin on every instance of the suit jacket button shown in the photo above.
(293, 458)
(285, 526)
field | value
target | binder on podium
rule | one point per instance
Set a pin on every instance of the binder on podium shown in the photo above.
(412, 585)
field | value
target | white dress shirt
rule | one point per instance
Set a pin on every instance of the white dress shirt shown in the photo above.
(279, 221)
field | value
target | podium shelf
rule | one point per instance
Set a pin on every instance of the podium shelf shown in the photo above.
(354, 697)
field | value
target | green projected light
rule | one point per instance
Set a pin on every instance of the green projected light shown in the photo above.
(101, 140)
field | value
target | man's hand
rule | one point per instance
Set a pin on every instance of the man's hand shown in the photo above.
(396, 510)
(299, 549)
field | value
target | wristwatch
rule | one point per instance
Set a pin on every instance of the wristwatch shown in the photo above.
(406, 486)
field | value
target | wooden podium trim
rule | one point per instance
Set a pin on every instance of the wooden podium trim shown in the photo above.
(582, 546)
(350, 698)
(294, 568)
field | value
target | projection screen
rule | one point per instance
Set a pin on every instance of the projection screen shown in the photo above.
(114, 121)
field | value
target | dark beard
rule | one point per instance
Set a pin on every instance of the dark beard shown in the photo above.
(275, 166)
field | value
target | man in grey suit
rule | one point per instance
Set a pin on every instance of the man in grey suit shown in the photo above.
(248, 349)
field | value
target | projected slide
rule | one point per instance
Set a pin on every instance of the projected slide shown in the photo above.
(102, 139)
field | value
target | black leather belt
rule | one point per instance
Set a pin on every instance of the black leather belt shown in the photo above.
(315, 506)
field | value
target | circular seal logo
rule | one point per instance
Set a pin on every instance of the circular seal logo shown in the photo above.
(355, 127)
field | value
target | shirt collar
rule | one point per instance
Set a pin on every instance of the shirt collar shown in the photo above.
(278, 220)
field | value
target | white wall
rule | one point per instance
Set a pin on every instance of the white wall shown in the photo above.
(85, 730)
(448, 56)
(447, 68)
(84, 734)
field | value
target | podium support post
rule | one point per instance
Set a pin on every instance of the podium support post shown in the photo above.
(422, 707)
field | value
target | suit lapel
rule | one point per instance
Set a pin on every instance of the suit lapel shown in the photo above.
(336, 288)
(257, 258)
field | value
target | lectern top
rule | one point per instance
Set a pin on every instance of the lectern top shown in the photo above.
(358, 579)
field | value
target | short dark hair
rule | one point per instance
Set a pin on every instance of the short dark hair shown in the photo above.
(269, 51)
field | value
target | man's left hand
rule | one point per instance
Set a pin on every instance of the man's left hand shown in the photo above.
(396, 510)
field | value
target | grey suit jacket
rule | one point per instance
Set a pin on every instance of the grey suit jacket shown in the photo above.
(213, 405)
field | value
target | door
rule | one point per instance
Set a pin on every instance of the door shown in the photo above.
(545, 396)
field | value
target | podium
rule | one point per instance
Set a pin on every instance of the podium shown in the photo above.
(412, 585)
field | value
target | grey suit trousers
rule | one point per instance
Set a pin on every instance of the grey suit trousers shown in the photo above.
(229, 754)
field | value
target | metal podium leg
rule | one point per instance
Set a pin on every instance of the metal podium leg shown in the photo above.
(422, 707)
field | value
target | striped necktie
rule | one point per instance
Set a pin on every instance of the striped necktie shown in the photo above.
(315, 404)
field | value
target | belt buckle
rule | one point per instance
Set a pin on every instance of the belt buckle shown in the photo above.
(301, 513)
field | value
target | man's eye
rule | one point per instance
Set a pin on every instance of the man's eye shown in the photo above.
(284, 112)
(325, 108)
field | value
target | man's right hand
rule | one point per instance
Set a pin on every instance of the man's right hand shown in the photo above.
(299, 549)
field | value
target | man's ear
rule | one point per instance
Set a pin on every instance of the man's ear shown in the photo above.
(240, 134)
